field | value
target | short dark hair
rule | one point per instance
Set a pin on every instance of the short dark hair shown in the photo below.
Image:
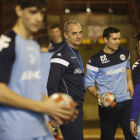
(30, 3)
(137, 36)
(108, 30)
(43, 40)
(55, 25)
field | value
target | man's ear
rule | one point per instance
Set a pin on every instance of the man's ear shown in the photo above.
(65, 35)
(18, 10)
(139, 42)
(105, 40)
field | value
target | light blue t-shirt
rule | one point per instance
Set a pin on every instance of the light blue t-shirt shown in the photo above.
(109, 72)
(21, 71)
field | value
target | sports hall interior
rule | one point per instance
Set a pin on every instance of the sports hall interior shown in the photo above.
(94, 16)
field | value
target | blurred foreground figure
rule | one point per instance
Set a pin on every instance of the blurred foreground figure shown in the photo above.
(21, 101)
(135, 114)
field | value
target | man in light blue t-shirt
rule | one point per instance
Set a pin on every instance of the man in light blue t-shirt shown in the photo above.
(111, 70)
(20, 79)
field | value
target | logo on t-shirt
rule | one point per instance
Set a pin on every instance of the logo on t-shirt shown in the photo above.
(122, 57)
(59, 54)
(104, 59)
(73, 57)
(135, 65)
(29, 75)
(4, 42)
(89, 61)
(112, 72)
(77, 71)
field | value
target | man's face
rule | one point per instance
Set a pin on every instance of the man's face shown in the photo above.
(32, 18)
(114, 41)
(55, 33)
(74, 34)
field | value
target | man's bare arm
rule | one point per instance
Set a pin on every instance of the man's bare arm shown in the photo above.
(92, 90)
(130, 84)
(48, 105)
(10, 98)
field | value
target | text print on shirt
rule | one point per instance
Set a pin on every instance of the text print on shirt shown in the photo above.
(104, 59)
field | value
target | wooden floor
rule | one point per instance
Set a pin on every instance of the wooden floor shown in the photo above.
(94, 134)
(94, 139)
(92, 131)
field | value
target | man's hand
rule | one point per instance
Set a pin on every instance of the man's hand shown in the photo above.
(133, 129)
(58, 111)
(130, 88)
(92, 90)
(55, 124)
(74, 116)
(99, 99)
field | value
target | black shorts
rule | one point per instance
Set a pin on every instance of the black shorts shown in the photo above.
(109, 119)
(74, 130)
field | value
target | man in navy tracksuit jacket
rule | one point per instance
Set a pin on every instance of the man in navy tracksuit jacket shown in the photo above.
(67, 76)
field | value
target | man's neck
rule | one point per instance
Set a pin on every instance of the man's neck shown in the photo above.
(44, 49)
(59, 40)
(20, 29)
(72, 46)
(108, 50)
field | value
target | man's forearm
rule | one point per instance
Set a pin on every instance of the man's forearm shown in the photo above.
(92, 90)
(9, 98)
(129, 75)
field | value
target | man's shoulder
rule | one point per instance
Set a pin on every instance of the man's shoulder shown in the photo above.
(136, 66)
(7, 40)
(136, 72)
(10, 34)
(95, 60)
(123, 50)
(62, 53)
(97, 55)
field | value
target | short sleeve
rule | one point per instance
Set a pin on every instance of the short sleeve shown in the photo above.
(7, 56)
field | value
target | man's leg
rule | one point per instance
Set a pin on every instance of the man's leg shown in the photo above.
(108, 122)
(74, 130)
(125, 119)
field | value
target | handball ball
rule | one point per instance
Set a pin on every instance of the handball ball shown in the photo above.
(108, 100)
(63, 99)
